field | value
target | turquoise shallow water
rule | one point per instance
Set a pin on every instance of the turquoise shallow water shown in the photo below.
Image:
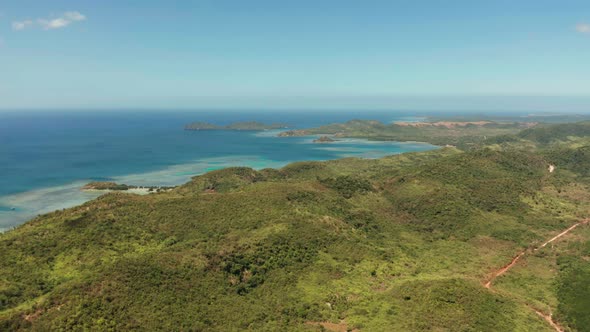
(46, 157)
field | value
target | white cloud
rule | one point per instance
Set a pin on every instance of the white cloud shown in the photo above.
(21, 25)
(74, 16)
(56, 23)
(64, 20)
(583, 28)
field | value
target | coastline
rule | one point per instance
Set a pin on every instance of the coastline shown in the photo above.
(308, 139)
(29, 204)
(138, 191)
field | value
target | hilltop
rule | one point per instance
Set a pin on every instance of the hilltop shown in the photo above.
(401, 243)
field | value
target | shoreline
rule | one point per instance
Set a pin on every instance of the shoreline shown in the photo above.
(138, 191)
(352, 139)
(37, 201)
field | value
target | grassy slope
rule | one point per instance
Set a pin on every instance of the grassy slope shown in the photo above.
(398, 243)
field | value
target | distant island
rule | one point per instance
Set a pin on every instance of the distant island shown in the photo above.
(247, 125)
(324, 139)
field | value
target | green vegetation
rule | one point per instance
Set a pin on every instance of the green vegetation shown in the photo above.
(545, 134)
(461, 134)
(574, 290)
(249, 125)
(531, 118)
(401, 243)
(101, 185)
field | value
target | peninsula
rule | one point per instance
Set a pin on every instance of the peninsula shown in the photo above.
(455, 133)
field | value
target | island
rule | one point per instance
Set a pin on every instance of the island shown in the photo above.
(324, 139)
(248, 125)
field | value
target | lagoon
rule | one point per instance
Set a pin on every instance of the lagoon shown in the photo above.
(46, 157)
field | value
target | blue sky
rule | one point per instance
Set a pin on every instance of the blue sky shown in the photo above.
(481, 55)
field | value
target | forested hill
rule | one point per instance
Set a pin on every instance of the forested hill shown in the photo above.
(402, 243)
(561, 132)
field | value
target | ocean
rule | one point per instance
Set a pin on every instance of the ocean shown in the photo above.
(46, 157)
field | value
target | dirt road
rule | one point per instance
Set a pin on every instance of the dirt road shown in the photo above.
(507, 267)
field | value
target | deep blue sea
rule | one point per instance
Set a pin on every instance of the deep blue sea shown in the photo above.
(45, 157)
